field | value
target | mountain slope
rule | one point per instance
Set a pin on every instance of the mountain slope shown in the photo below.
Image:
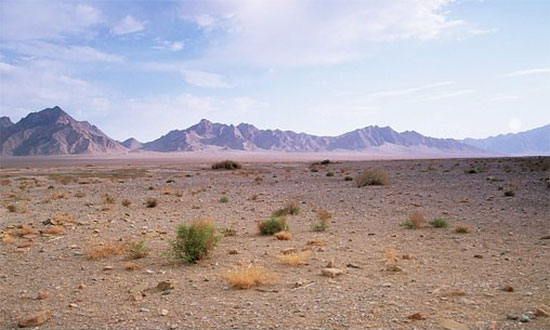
(53, 132)
(132, 144)
(5, 122)
(207, 135)
(532, 142)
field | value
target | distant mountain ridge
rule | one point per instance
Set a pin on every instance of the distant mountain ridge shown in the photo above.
(53, 132)
(531, 142)
(206, 134)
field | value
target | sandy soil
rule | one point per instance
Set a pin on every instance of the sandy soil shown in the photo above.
(453, 280)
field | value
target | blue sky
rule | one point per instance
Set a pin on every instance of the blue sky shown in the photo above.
(141, 68)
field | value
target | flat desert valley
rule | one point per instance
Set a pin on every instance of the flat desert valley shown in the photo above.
(68, 229)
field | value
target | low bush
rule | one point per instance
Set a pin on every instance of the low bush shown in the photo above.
(137, 250)
(195, 241)
(439, 223)
(245, 277)
(224, 199)
(273, 225)
(294, 258)
(283, 235)
(291, 208)
(151, 202)
(376, 177)
(226, 165)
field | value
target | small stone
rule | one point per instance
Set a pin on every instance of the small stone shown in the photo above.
(416, 317)
(164, 312)
(144, 310)
(233, 252)
(508, 288)
(82, 286)
(42, 296)
(73, 305)
(164, 286)
(512, 316)
(108, 268)
(541, 312)
(35, 319)
(148, 271)
(478, 256)
(449, 324)
(24, 245)
(524, 318)
(352, 265)
(386, 285)
(331, 272)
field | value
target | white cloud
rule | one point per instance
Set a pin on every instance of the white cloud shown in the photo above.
(46, 20)
(194, 77)
(128, 25)
(407, 91)
(174, 46)
(446, 95)
(288, 32)
(42, 49)
(477, 32)
(529, 72)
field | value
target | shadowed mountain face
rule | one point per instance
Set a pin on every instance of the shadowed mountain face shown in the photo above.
(53, 132)
(532, 142)
(206, 134)
(5, 122)
(132, 144)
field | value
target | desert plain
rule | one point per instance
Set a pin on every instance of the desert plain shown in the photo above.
(494, 272)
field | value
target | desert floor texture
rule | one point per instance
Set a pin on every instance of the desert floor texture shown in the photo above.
(497, 275)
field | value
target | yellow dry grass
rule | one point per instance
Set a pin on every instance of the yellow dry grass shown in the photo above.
(105, 250)
(283, 235)
(131, 265)
(316, 242)
(462, 229)
(24, 230)
(294, 259)
(54, 230)
(245, 277)
(417, 219)
(8, 239)
(62, 218)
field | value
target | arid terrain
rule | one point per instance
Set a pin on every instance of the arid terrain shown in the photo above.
(495, 274)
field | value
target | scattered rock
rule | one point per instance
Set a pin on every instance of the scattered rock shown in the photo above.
(24, 245)
(108, 268)
(331, 272)
(144, 310)
(409, 257)
(330, 264)
(416, 317)
(512, 316)
(508, 288)
(478, 256)
(35, 319)
(386, 285)
(449, 324)
(148, 271)
(545, 237)
(233, 252)
(391, 267)
(42, 296)
(352, 265)
(164, 312)
(82, 286)
(524, 318)
(164, 286)
(541, 312)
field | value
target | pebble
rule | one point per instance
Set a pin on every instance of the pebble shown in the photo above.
(144, 310)
(35, 319)
(148, 271)
(523, 318)
(512, 316)
(164, 312)
(108, 268)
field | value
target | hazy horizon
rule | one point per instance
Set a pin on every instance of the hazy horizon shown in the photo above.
(446, 69)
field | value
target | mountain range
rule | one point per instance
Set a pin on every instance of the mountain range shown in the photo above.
(53, 132)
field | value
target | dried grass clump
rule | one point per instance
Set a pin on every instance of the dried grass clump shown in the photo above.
(126, 203)
(137, 250)
(7, 238)
(273, 225)
(105, 250)
(316, 242)
(291, 208)
(54, 230)
(323, 220)
(462, 229)
(295, 258)
(226, 165)
(283, 235)
(376, 177)
(416, 220)
(390, 260)
(108, 199)
(62, 219)
(24, 230)
(248, 276)
(131, 265)
(12, 208)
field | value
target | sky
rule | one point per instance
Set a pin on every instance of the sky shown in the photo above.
(444, 68)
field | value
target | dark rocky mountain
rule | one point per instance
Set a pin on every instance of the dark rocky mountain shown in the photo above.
(532, 142)
(206, 135)
(53, 132)
(5, 122)
(132, 144)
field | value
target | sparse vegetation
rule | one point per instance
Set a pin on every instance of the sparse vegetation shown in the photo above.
(226, 165)
(224, 199)
(54, 230)
(246, 277)
(12, 208)
(283, 235)
(109, 199)
(348, 178)
(130, 265)
(137, 250)
(291, 208)
(273, 225)
(228, 232)
(325, 162)
(439, 223)
(126, 203)
(330, 174)
(195, 241)
(376, 177)
(323, 220)
(462, 229)
(151, 202)
(509, 193)
(24, 230)
(416, 220)
(294, 258)
(105, 250)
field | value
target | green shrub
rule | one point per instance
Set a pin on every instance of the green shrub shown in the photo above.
(472, 171)
(195, 241)
(138, 250)
(227, 232)
(291, 208)
(408, 224)
(376, 177)
(439, 223)
(226, 165)
(509, 193)
(330, 173)
(325, 162)
(348, 178)
(273, 225)
(224, 199)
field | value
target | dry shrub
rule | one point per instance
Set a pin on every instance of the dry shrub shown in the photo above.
(54, 230)
(126, 203)
(462, 229)
(316, 242)
(283, 235)
(58, 195)
(323, 220)
(290, 208)
(226, 165)
(105, 250)
(24, 230)
(62, 219)
(108, 199)
(12, 208)
(151, 202)
(390, 260)
(416, 220)
(245, 277)
(294, 259)
(273, 225)
(7, 238)
(376, 177)
(131, 265)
